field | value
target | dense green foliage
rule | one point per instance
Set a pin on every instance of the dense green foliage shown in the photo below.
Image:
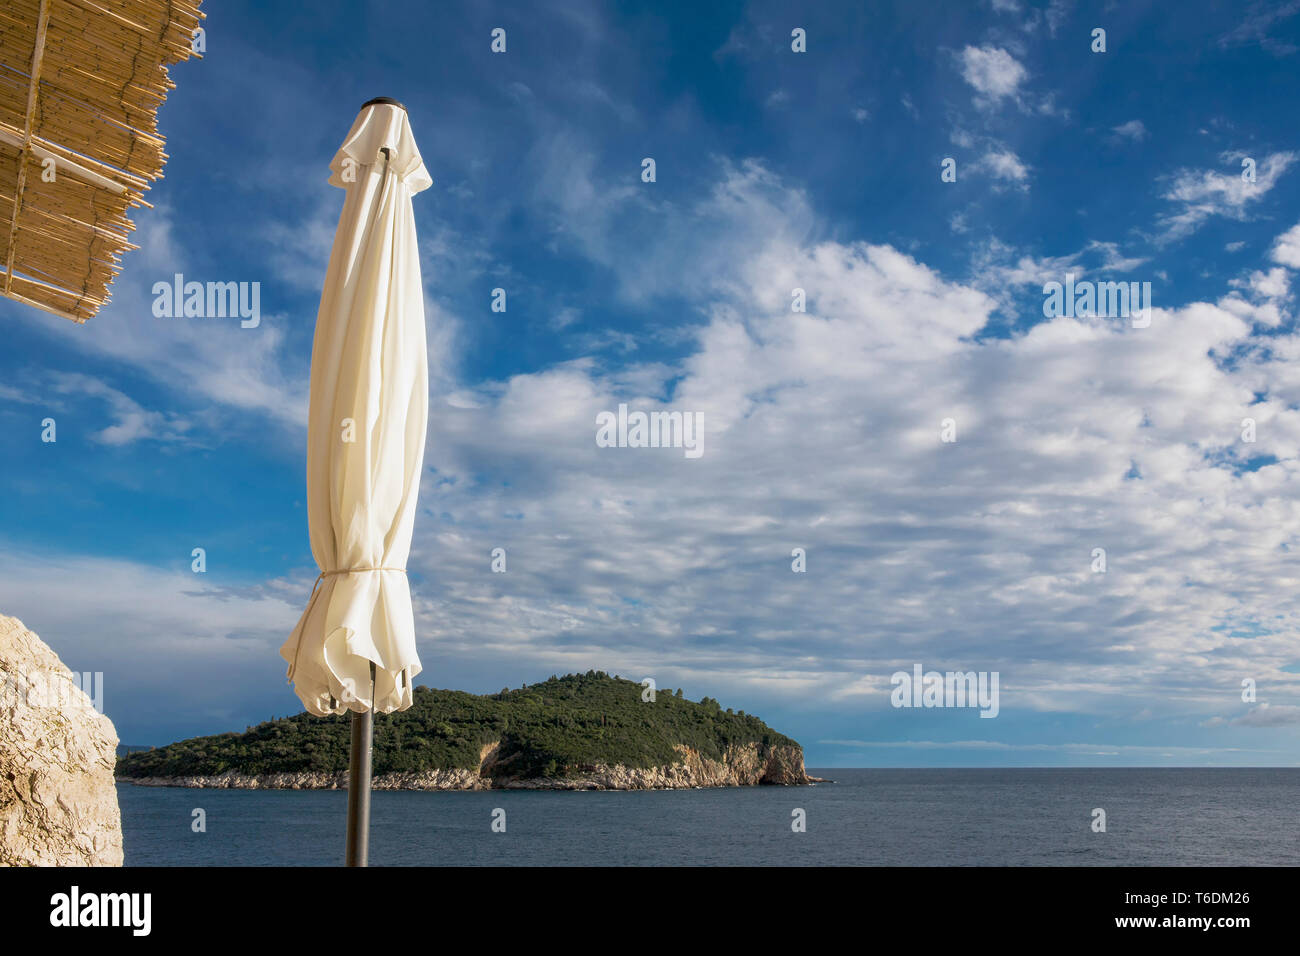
(547, 729)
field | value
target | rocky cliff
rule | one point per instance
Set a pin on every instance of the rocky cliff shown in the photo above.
(743, 765)
(58, 803)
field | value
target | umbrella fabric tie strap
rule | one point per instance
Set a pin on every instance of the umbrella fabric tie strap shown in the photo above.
(355, 570)
(311, 600)
(325, 574)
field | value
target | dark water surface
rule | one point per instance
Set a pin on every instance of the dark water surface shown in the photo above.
(1164, 817)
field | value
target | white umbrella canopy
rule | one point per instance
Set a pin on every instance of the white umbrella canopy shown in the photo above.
(366, 430)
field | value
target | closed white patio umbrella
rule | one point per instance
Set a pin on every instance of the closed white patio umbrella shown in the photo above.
(354, 646)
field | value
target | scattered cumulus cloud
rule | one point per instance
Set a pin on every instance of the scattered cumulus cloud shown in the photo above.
(992, 72)
(1005, 165)
(1286, 249)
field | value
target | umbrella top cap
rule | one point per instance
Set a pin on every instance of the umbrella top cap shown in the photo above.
(381, 142)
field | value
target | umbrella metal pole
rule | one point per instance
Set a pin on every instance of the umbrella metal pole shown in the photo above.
(358, 850)
(359, 790)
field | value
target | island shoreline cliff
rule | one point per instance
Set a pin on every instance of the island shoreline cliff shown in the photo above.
(741, 767)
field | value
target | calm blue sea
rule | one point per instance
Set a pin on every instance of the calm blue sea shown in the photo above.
(1166, 817)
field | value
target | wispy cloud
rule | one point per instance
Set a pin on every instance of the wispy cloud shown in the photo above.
(1199, 194)
(1266, 715)
(1257, 28)
(1081, 749)
(204, 360)
(131, 421)
(1134, 129)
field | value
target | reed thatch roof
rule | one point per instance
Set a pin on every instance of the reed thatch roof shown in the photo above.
(80, 84)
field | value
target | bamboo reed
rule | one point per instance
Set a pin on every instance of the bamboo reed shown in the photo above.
(80, 85)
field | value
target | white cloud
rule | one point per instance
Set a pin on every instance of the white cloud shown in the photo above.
(1113, 259)
(777, 99)
(23, 396)
(212, 361)
(1266, 715)
(1273, 284)
(564, 317)
(992, 71)
(823, 432)
(190, 646)
(1083, 749)
(1286, 248)
(998, 266)
(132, 422)
(1133, 129)
(1005, 165)
(1260, 297)
(1203, 193)
(1057, 11)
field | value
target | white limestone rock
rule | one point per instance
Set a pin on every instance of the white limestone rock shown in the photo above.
(58, 802)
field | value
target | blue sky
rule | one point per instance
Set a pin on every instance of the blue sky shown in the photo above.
(774, 170)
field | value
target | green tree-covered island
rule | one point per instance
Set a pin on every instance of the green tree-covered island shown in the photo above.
(579, 732)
